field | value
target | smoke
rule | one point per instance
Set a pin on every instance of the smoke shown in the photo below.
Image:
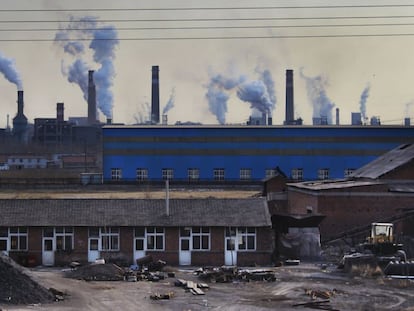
(363, 102)
(259, 93)
(170, 103)
(103, 41)
(322, 105)
(217, 94)
(8, 69)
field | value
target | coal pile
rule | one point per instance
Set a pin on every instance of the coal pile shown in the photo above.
(97, 272)
(17, 287)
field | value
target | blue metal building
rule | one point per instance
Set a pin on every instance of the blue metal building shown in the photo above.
(243, 153)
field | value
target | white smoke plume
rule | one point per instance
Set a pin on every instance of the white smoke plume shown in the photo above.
(259, 93)
(322, 105)
(363, 103)
(256, 93)
(170, 103)
(103, 41)
(218, 94)
(8, 69)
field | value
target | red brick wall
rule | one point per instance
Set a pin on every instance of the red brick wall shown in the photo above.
(403, 172)
(350, 209)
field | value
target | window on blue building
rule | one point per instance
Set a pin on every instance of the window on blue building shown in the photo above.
(116, 173)
(167, 173)
(218, 174)
(323, 173)
(142, 174)
(348, 172)
(297, 174)
(245, 174)
(193, 174)
(270, 172)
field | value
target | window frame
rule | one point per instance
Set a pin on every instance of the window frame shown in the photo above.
(116, 173)
(297, 173)
(219, 174)
(141, 174)
(245, 174)
(167, 174)
(323, 173)
(108, 237)
(18, 238)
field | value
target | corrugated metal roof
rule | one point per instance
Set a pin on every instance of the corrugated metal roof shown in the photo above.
(386, 163)
(252, 212)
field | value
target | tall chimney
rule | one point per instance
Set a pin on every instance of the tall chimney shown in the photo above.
(20, 103)
(59, 112)
(155, 96)
(91, 99)
(337, 116)
(20, 120)
(289, 97)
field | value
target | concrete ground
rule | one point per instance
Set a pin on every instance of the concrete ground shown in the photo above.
(292, 287)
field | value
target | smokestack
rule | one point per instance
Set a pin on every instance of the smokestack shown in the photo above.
(20, 103)
(20, 120)
(155, 96)
(91, 99)
(59, 112)
(289, 97)
(337, 116)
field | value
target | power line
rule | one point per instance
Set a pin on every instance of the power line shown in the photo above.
(212, 27)
(214, 8)
(216, 19)
(218, 37)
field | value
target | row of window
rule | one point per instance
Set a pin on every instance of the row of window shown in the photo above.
(108, 238)
(219, 173)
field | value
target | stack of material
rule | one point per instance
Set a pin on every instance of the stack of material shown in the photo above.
(17, 287)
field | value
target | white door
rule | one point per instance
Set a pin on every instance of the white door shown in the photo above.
(230, 253)
(48, 252)
(93, 249)
(185, 251)
(139, 248)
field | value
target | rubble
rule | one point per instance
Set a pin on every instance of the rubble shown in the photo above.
(18, 287)
(226, 274)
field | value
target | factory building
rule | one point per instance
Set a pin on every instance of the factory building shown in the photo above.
(243, 153)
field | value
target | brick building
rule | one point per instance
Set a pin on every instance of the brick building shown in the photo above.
(378, 191)
(179, 231)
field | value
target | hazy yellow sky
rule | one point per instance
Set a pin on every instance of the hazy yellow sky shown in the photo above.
(366, 56)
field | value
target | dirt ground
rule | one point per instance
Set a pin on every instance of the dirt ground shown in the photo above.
(347, 292)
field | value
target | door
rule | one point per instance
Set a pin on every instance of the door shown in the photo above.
(230, 253)
(48, 252)
(139, 248)
(93, 249)
(185, 247)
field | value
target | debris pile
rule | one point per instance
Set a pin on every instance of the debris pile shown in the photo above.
(320, 299)
(97, 272)
(229, 274)
(192, 287)
(17, 287)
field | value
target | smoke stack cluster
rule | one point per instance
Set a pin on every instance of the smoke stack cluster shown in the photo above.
(91, 99)
(155, 96)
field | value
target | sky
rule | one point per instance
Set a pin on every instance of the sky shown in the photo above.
(219, 61)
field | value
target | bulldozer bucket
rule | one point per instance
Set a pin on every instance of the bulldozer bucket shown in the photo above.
(400, 269)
